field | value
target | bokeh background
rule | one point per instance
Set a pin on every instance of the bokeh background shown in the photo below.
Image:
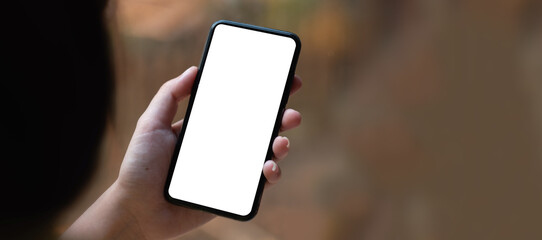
(422, 119)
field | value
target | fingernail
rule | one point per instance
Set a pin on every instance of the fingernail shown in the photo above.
(274, 168)
(288, 140)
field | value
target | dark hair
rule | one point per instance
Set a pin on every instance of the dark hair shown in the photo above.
(56, 94)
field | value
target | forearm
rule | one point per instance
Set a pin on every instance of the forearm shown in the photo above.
(107, 218)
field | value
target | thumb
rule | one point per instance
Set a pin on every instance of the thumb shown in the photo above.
(161, 111)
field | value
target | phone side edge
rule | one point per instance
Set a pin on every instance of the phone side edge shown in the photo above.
(278, 122)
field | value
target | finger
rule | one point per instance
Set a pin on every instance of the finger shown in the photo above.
(281, 145)
(271, 171)
(296, 85)
(176, 127)
(162, 109)
(290, 119)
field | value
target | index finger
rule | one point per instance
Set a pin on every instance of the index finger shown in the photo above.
(296, 85)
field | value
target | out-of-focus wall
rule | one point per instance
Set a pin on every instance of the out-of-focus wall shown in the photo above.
(422, 119)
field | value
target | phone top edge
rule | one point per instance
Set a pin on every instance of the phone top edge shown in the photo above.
(291, 35)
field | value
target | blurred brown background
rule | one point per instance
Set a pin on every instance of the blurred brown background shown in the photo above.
(422, 118)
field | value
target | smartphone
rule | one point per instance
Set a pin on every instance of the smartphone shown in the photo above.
(233, 116)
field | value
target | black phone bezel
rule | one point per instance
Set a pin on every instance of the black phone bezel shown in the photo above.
(284, 100)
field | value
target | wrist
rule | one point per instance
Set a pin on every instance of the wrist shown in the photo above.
(108, 218)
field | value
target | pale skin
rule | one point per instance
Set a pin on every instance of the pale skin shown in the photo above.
(134, 207)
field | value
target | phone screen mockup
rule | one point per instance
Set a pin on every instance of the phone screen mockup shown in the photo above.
(233, 115)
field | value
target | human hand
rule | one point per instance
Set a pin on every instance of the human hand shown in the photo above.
(134, 205)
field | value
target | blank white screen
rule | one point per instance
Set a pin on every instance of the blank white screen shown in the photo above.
(227, 136)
